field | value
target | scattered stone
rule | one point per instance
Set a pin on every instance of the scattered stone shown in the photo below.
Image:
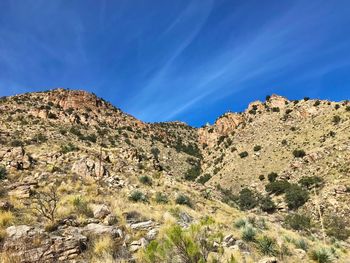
(269, 260)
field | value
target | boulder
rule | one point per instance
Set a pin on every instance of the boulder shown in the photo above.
(100, 211)
(97, 229)
(29, 244)
(269, 260)
(142, 225)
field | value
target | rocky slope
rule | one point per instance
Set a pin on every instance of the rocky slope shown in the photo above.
(81, 181)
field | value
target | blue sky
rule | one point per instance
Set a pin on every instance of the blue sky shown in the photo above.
(185, 60)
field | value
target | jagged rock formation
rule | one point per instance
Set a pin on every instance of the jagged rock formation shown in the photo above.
(117, 180)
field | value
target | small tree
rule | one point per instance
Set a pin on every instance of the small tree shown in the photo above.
(3, 172)
(299, 153)
(272, 177)
(296, 196)
(247, 199)
(45, 203)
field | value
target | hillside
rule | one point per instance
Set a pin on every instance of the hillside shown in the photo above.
(81, 181)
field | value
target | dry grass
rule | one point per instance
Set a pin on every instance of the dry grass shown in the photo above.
(6, 218)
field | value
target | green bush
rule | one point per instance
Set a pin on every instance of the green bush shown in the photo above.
(81, 207)
(192, 173)
(277, 187)
(240, 223)
(267, 205)
(188, 245)
(16, 143)
(310, 181)
(91, 137)
(322, 255)
(247, 199)
(267, 246)
(204, 178)
(257, 148)
(302, 244)
(39, 138)
(347, 108)
(298, 222)
(299, 153)
(248, 233)
(3, 172)
(182, 199)
(337, 227)
(272, 176)
(145, 180)
(243, 154)
(296, 196)
(68, 148)
(137, 196)
(336, 120)
(161, 198)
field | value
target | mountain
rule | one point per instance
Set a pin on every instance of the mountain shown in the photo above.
(82, 181)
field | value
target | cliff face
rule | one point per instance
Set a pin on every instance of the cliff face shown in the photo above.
(117, 180)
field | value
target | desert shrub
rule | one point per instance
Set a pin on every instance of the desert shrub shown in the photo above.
(272, 177)
(317, 103)
(248, 233)
(336, 119)
(268, 97)
(267, 205)
(137, 196)
(187, 245)
(90, 137)
(296, 196)
(277, 187)
(16, 143)
(75, 130)
(228, 197)
(247, 199)
(275, 109)
(161, 198)
(336, 226)
(81, 207)
(306, 98)
(204, 178)
(145, 180)
(299, 153)
(257, 148)
(239, 223)
(261, 177)
(347, 108)
(284, 142)
(302, 244)
(68, 148)
(182, 199)
(337, 106)
(322, 255)
(45, 203)
(310, 181)
(39, 138)
(243, 154)
(267, 246)
(288, 111)
(192, 173)
(51, 115)
(298, 222)
(3, 172)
